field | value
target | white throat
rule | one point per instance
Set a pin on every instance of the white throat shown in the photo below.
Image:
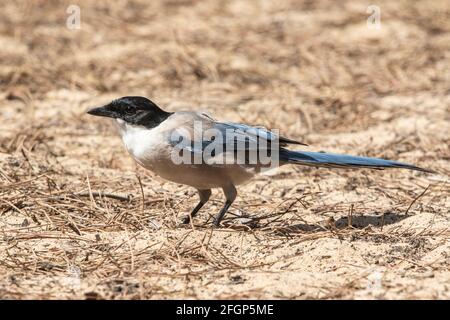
(142, 143)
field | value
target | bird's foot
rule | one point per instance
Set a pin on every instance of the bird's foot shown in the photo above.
(186, 219)
(216, 224)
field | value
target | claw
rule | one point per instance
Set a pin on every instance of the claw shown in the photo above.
(186, 219)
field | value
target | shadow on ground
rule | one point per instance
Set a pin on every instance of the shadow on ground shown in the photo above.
(357, 222)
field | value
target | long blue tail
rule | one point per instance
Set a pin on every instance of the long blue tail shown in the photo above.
(321, 159)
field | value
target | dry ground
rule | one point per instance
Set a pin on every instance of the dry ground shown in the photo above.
(313, 69)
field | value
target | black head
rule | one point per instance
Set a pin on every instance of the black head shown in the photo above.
(133, 110)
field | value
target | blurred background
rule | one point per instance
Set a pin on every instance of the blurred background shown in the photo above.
(360, 77)
(319, 66)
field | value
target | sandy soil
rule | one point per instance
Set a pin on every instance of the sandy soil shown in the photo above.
(312, 69)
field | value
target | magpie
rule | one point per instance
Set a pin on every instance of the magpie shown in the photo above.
(194, 149)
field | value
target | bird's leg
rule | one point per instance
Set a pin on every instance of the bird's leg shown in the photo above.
(204, 197)
(230, 195)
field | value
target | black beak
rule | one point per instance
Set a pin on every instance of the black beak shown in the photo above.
(102, 112)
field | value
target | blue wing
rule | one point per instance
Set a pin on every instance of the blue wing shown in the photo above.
(255, 134)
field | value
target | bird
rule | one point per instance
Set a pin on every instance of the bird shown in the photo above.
(174, 146)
